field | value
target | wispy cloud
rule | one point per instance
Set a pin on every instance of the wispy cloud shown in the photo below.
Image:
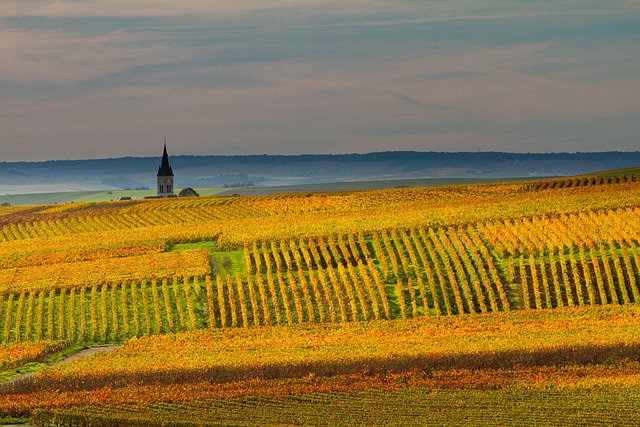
(107, 77)
(45, 56)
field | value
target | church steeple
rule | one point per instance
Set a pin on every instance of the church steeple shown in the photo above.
(165, 175)
(165, 167)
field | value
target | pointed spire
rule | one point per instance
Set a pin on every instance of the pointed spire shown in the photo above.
(165, 168)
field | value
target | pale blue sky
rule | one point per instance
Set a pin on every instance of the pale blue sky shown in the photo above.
(111, 78)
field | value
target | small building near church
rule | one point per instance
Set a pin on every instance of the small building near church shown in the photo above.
(165, 175)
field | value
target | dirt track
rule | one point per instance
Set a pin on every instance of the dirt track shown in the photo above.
(82, 353)
(87, 352)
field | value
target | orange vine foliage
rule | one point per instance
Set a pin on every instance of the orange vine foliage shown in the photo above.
(497, 341)
(102, 271)
(15, 354)
(132, 398)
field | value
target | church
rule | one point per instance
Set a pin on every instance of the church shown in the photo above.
(165, 175)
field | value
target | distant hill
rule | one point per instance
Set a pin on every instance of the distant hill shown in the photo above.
(269, 170)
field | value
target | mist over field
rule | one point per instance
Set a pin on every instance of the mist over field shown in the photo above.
(279, 173)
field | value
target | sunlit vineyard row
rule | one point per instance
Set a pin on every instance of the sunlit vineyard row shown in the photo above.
(16, 354)
(606, 274)
(233, 221)
(391, 274)
(583, 181)
(70, 249)
(103, 313)
(541, 234)
(66, 275)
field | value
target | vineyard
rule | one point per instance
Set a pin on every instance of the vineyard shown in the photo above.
(624, 175)
(134, 272)
(372, 406)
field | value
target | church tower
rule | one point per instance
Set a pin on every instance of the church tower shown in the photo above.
(165, 175)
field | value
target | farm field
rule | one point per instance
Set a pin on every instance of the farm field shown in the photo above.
(32, 197)
(270, 309)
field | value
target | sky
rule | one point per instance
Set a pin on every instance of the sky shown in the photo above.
(112, 78)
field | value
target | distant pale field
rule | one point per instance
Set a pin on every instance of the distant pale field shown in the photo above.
(58, 187)
(52, 194)
(59, 195)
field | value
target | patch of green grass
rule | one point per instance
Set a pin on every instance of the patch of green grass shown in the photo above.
(226, 262)
(71, 197)
(230, 263)
(210, 246)
(21, 370)
(11, 420)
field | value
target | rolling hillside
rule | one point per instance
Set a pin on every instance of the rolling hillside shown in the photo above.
(437, 297)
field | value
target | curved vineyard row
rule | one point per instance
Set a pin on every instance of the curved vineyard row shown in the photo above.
(107, 270)
(143, 215)
(238, 220)
(584, 181)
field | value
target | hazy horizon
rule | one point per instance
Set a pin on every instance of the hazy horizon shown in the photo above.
(551, 153)
(109, 79)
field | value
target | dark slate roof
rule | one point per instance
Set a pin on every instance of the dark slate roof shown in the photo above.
(165, 168)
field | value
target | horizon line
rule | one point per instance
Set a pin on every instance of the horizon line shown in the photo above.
(530, 153)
